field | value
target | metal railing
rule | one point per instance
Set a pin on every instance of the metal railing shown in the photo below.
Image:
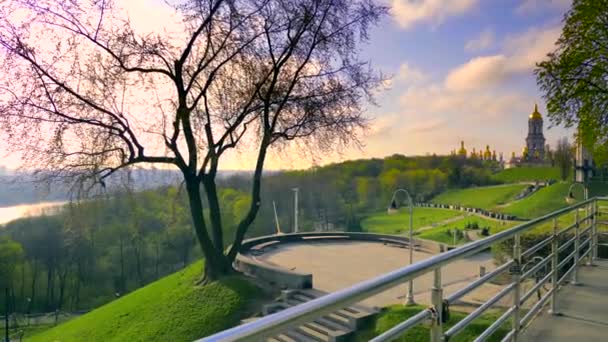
(583, 244)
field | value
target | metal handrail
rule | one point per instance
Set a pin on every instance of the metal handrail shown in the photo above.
(276, 323)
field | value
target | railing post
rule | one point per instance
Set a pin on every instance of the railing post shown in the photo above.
(515, 274)
(554, 263)
(577, 250)
(437, 301)
(594, 238)
(589, 228)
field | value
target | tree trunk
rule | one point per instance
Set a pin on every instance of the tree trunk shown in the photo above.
(122, 266)
(34, 278)
(135, 243)
(63, 276)
(255, 201)
(157, 262)
(214, 211)
(216, 263)
(50, 288)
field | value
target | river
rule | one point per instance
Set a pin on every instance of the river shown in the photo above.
(24, 210)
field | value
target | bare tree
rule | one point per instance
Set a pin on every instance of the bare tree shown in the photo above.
(84, 94)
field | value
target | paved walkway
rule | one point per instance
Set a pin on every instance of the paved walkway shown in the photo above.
(337, 265)
(583, 309)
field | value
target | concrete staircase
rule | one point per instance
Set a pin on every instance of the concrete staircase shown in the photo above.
(338, 326)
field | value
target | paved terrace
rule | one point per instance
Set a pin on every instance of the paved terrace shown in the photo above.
(337, 265)
(583, 310)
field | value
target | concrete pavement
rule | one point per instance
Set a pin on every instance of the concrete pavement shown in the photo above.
(583, 309)
(337, 265)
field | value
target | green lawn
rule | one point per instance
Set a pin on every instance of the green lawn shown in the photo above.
(527, 174)
(397, 223)
(28, 331)
(170, 309)
(445, 233)
(395, 314)
(486, 197)
(542, 202)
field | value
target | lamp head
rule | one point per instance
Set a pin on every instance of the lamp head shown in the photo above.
(392, 209)
(570, 198)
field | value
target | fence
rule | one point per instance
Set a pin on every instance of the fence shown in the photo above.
(569, 245)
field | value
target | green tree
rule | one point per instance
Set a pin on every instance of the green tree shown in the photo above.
(563, 157)
(11, 256)
(574, 78)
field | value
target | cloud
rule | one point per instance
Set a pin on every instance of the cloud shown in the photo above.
(520, 53)
(411, 75)
(427, 126)
(478, 72)
(407, 13)
(532, 6)
(484, 41)
(469, 106)
(531, 47)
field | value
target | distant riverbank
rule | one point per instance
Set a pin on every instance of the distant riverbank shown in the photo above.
(8, 214)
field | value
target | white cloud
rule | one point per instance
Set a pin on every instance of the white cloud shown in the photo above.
(471, 105)
(410, 75)
(531, 6)
(427, 126)
(520, 53)
(410, 12)
(478, 72)
(531, 47)
(484, 41)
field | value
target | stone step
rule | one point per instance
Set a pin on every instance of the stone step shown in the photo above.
(285, 338)
(333, 334)
(299, 337)
(338, 326)
(341, 320)
(314, 293)
(313, 333)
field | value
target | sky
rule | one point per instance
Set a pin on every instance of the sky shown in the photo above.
(461, 70)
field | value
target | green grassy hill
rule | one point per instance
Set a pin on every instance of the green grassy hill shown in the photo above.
(444, 234)
(486, 197)
(170, 309)
(527, 174)
(551, 198)
(397, 223)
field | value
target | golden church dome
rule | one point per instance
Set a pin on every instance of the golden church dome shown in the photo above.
(536, 114)
(462, 151)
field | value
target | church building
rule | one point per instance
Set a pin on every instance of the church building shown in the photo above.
(534, 152)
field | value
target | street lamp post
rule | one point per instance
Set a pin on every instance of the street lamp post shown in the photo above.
(393, 209)
(571, 198)
(295, 210)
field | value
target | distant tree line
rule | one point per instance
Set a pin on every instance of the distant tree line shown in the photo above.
(94, 250)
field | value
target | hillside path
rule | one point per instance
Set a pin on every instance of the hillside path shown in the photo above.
(436, 224)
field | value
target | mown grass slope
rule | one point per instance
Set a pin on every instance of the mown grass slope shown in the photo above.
(542, 202)
(396, 314)
(445, 234)
(170, 309)
(486, 197)
(397, 223)
(527, 174)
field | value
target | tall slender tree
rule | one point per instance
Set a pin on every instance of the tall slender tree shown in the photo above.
(84, 94)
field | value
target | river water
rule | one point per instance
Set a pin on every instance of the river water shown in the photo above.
(24, 210)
